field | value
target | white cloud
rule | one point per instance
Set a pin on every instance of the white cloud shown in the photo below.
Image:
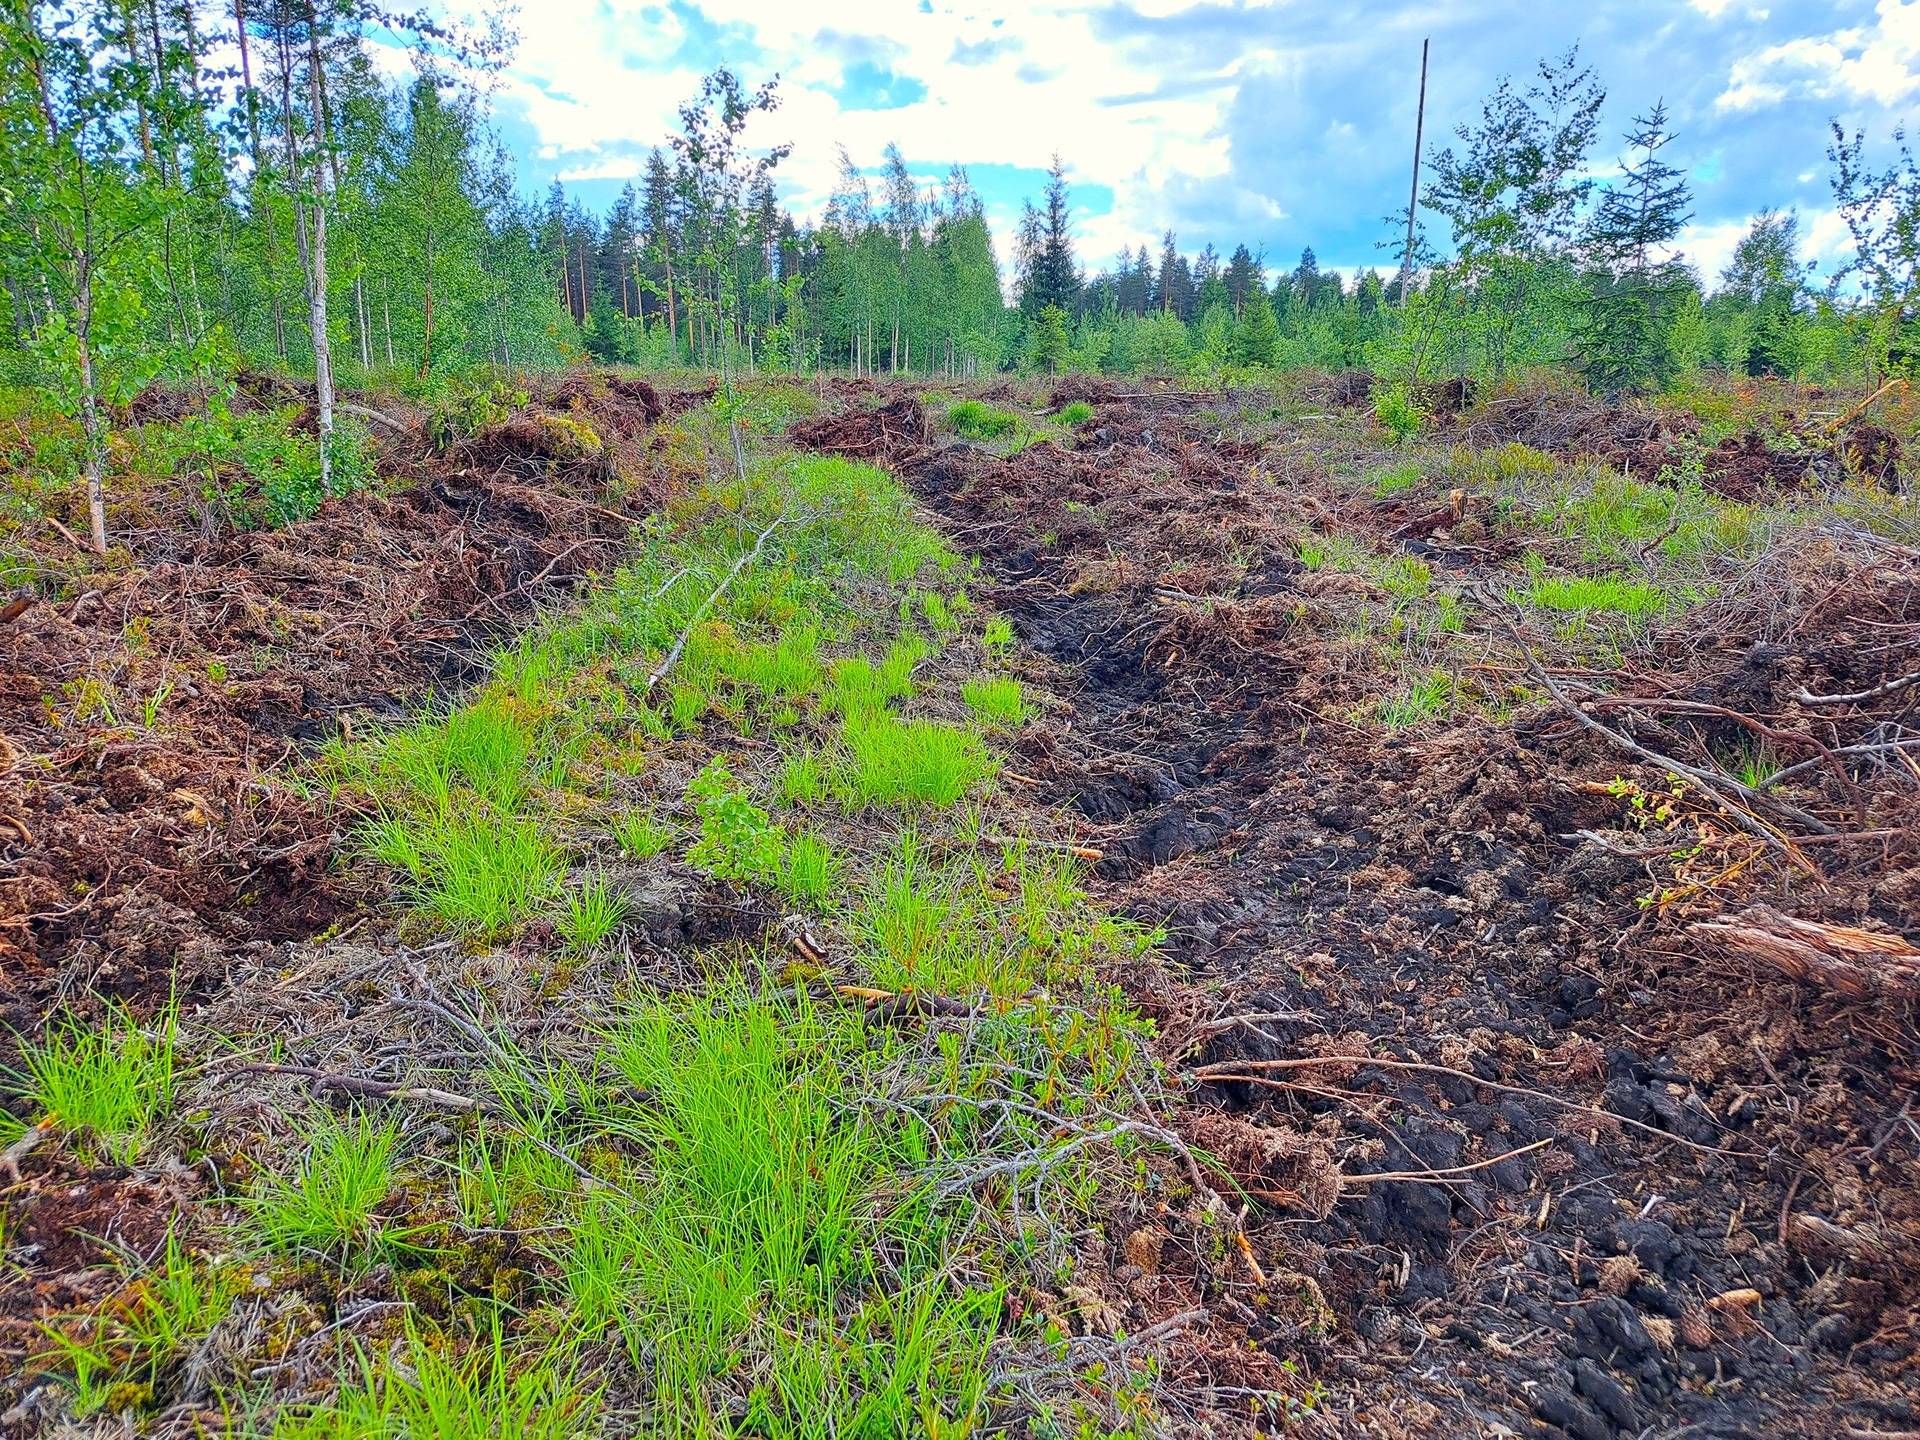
(1878, 63)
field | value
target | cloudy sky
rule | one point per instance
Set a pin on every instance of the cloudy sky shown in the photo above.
(1274, 123)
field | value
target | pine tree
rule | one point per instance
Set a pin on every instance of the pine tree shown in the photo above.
(1635, 280)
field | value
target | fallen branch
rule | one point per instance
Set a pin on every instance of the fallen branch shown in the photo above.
(368, 413)
(1856, 964)
(660, 670)
(1446, 1174)
(11, 1157)
(372, 1089)
(1083, 852)
(1235, 1070)
(1889, 687)
(1897, 383)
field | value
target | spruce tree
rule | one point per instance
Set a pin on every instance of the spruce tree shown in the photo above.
(1636, 280)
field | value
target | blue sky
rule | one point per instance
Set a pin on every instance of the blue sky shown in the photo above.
(1279, 125)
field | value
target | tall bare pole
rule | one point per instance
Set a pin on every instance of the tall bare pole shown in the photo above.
(1413, 196)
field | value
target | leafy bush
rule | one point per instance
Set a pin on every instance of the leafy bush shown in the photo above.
(1398, 414)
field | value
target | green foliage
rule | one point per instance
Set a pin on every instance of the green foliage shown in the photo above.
(479, 872)
(738, 840)
(1625, 331)
(1398, 479)
(1077, 412)
(105, 1087)
(1398, 414)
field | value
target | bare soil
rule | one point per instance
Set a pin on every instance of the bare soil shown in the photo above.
(1660, 1177)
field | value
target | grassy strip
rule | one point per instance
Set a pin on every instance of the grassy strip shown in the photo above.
(749, 1207)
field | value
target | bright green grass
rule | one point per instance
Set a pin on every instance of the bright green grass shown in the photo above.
(977, 420)
(640, 836)
(1397, 479)
(1589, 595)
(436, 1393)
(1419, 700)
(593, 911)
(898, 762)
(330, 1207)
(859, 685)
(476, 871)
(760, 1226)
(804, 777)
(168, 1309)
(1405, 577)
(997, 633)
(809, 871)
(107, 1087)
(786, 668)
(1076, 413)
(997, 700)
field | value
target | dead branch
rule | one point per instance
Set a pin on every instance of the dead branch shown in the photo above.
(1240, 1071)
(360, 1085)
(1857, 964)
(1897, 383)
(660, 670)
(1889, 687)
(368, 413)
(1347, 1178)
(11, 1157)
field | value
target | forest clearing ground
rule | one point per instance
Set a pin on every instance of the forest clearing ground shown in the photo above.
(744, 1057)
(744, 1052)
(1477, 785)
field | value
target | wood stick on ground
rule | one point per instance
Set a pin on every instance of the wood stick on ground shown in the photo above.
(666, 664)
(1446, 1174)
(1856, 964)
(1890, 687)
(372, 1089)
(368, 413)
(11, 1157)
(1246, 1072)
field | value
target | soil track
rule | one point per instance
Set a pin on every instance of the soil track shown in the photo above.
(1663, 1189)
(143, 830)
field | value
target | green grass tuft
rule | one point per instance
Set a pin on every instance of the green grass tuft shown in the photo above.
(997, 700)
(1603, 594)
(105, 1087)
(977, 420)
(593, 912)
(641, 836)
(333, 1205)
(898, 762)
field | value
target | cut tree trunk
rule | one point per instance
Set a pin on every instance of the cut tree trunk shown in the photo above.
(1852, 963)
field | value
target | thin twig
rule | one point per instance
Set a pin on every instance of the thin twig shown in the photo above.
(1233, 1070)
(660, 670)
